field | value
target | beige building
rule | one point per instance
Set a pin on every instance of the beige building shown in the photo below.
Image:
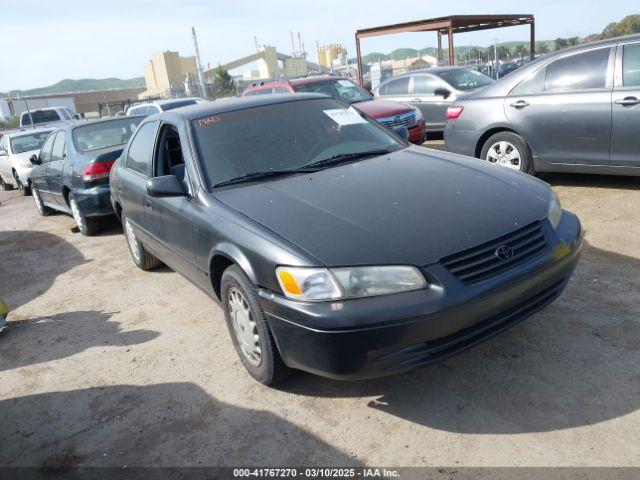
(168, 74)
(332, 55)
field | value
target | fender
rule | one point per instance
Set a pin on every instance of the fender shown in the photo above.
(233, 253)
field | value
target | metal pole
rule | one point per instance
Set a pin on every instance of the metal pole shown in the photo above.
(533, 40)
(439, 47)
(451, 56)
(495, 56)
(203, 92)
(359, 59)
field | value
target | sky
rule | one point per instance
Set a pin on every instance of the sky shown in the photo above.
(45, 42)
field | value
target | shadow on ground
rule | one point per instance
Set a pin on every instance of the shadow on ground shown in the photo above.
(39, 340)
(30, 261)
(170, 424)
(573, 364)
(591, 181)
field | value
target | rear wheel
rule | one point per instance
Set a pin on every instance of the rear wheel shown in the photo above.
(40, 206)
(508, 150)
(5, 186)
(248, 328)
(87, 226)
(24, 189)
(139, 254)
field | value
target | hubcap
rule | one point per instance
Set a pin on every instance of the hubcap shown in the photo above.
(77, 216)
(38, 200)
(504, 154)
(244, 327)
(131, 239)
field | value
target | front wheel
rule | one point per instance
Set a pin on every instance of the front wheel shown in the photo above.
(5, 186)
(508, 150)
(143, 259)
(248, 328)
(40, 206)
(87, 226)
(24, 189)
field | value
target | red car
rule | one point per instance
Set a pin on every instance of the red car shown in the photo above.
(390, 114)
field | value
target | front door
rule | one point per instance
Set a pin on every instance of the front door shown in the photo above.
(39, 173)
(428, 95)
(169, 220)
(625, 134)
(564, 110)
(56, 167)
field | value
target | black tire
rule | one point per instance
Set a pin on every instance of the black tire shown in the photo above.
(516, 141)
(86, 225)
(271, 368)
(24, 189)
(43, 210)
(5, 186)
(143, 259)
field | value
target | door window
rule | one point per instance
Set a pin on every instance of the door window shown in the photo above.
(399, 86)
(141, 149)
(582, 71)
(631, 65)
(169, 158)
(45, 153)
(59, 146)
(424, 84)
(532, 85)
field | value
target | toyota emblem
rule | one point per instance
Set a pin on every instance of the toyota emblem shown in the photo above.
(504, 252)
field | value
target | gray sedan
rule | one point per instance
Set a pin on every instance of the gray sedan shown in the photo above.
(432, 90)
(577, 110)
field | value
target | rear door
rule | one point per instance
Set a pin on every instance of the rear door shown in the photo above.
(56, 167)
(39, 173)
(169, 220)
(423, 96)
(131, 188)
(564, 109)
(396, 89)
(625, 133)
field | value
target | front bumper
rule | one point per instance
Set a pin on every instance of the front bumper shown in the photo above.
(95, 201)
(416, 133)
(378, 336)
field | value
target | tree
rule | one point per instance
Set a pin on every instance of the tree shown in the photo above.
(474, 53)
(223, 83)
(560, 43)
(572, 41)
(542, 48)
(627, 26)
(520, 51)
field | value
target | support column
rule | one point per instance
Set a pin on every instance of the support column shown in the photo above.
(451, 56)
(359, 58)
(533, 40)
(439, 47)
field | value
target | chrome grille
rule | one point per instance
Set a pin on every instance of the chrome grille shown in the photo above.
(405, 120)
(482, 262)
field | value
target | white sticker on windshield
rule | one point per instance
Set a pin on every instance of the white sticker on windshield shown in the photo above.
(345, 83)
(345, 116)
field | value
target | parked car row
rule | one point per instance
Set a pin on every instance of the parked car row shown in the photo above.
(333, 245)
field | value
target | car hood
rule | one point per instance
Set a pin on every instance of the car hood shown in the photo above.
(409, 207)
(381, 108)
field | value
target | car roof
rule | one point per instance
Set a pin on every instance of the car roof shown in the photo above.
(294, 82)
(224, 105)
(31, 110)
(27, 131)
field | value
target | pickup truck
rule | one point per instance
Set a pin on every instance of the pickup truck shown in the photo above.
(46, 116)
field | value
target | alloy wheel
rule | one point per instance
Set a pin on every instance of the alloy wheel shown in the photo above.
(38, 201)
(505, 154)
(244, 327)
(77, 216)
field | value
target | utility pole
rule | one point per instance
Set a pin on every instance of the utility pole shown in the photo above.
(203, 92)
(495, 56)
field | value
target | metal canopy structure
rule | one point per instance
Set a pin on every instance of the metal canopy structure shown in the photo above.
(448, 26)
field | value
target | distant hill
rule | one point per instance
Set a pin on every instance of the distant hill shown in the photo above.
(82, 85)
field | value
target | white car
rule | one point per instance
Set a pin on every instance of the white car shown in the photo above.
(15, 150)
(46, 116)
(159, 106)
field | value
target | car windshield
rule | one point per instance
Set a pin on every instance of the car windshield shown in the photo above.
(104, 134)
(465, 79)
(339, 88)
(25, 143)
(40, 116)
(284, 137)
(178, 104)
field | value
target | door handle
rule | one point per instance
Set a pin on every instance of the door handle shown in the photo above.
(628, 101)
(519, 104)
(147, 203)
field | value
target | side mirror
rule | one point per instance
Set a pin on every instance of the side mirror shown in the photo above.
(165, 186)
(442, 92)
(34, 159)
(401, 131)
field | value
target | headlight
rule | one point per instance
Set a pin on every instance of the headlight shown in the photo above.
(418, 113)
(554, 214)
(321, 284)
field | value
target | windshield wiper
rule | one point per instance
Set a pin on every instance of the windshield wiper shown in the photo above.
(347, 157)
(247, 177)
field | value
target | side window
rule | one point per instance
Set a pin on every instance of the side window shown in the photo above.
(170, 160)
(58, 152)
(153, 109)
(25, 119)
(281, 90)
(631, 65)
(45, 153)
(400, 86)
(531, 85)
(65, 114)
(578, 72)
(424, 84)
(141, 148)
(250, 94)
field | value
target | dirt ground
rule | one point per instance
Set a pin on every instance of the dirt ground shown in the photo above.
(103, 364)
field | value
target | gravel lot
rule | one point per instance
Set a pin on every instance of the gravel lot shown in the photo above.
(103, 364)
